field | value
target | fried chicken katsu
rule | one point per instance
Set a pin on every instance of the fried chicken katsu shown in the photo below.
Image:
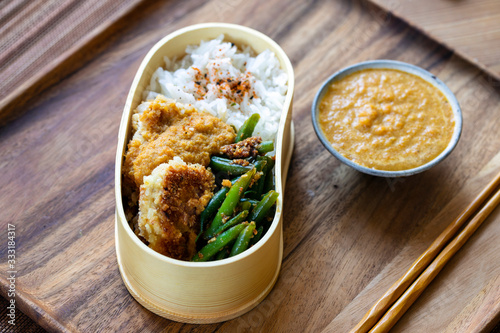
(171, 200)
(167, 129)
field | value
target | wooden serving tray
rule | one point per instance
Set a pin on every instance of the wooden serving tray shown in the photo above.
(347, 236)
(470, 28)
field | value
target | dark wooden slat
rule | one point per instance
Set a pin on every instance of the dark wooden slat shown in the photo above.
(347, 236)
(42, 41)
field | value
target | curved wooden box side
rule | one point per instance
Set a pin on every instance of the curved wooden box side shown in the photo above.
(201, 292)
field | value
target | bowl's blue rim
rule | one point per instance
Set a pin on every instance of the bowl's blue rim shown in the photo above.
(405, 67)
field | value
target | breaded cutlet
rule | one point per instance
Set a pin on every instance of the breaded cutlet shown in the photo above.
(171, 200)
(167, 129)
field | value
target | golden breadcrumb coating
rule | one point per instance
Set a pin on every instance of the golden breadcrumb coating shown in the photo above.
(171, 200)
(167, 129)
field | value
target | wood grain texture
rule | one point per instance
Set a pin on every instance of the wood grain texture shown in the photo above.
(399, 290)
(469, 27)
(398, 309)
(24, 324)
(481, 312)
(348, 236)
(43, 41)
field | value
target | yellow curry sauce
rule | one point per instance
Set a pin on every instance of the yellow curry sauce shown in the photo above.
(386, 119)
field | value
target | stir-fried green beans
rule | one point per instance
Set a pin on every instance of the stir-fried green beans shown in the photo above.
(258, 186)
(227, 166)
(251, 201)
(260, 211)
(257, 237)
(219, 242)
(227, 208)
(268, 178)
(239, 215)
(232, 222)
(246, 130)
(243, 240)
(269, 181)
(265, 147)
(224, 253)
(212, 207)
(244, 205)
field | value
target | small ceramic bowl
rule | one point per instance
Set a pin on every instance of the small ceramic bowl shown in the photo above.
(205, 292)
(404, 67)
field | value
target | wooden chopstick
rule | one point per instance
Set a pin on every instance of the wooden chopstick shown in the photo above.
(411, 294)
(378, 310)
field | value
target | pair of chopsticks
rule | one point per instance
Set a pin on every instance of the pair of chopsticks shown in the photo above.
(394, 303)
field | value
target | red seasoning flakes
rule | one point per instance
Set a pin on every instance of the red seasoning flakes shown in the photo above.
(227, 81)
(223, 85)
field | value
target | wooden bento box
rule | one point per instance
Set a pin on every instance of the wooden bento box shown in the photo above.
(214, 291)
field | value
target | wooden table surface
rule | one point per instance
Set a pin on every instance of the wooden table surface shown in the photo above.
(347, 236)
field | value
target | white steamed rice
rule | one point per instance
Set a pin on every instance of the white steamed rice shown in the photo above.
(184, 80)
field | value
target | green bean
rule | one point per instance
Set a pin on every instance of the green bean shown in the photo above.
(265, 147)
(246, 130)
(209, 250)
(260, 211)
(232, 199)
(258, 187)
(252, 201)
(261, 163)
(257, 237)
(224, 253)
(243, 240)
(226, 250)
(212, 207)
(232, 222)
(250, 194)
(270, 160)
(269, 175)
(226, 165)
(269, 181)
(255, 191)
(245, 205)
(268, 219)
